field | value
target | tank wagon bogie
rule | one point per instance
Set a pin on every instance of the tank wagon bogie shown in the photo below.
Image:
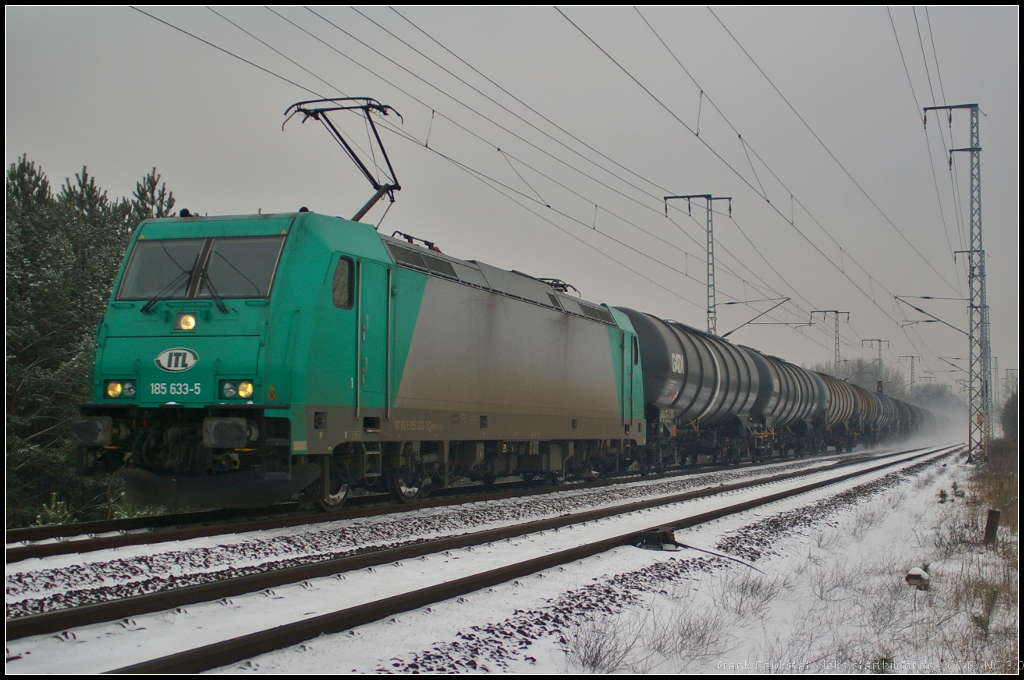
(244, 361)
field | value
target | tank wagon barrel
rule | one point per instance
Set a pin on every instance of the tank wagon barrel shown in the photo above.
(696, 376)
(839, 412)
(247, 360)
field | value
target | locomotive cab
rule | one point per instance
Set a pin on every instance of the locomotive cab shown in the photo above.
(194, 377)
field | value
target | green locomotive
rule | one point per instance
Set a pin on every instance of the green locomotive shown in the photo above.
(244, 361)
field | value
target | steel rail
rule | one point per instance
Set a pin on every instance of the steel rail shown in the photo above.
(41, 533)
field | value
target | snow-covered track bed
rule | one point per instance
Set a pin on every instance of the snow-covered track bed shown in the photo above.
(401, 594)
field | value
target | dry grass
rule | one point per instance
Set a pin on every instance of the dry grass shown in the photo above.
(995, 484)
(967, 622)
(747, 593)
(671, 635)
(693, 632)
(827, 583)
(604, 644)
(867, 517)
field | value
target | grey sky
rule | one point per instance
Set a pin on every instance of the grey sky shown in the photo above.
(120, 92)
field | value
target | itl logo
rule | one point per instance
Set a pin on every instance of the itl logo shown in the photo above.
(177, 359)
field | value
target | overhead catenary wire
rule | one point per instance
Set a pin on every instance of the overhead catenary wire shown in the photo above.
(242, 59)
(307, 89)
(746, 146)
(917, 109)
(461, 127)
(833, 156)
(477, 174)
(744, 180)
(561, 129)
(461, 165)
(696, 132)
(955, 187)
(637, 226)
(544, 151)
(217, 47)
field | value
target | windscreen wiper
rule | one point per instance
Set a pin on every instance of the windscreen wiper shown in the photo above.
(205, 276)
(168, 289)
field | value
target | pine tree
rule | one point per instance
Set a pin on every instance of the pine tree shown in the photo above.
(1008, 417)
(62, 254)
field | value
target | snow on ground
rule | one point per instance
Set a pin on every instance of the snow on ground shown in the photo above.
(109, 646)
(824, 592)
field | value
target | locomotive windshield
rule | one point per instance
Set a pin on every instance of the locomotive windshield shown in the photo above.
(223, 267)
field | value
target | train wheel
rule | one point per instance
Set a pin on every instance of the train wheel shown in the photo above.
(557, 478)
(334, 499)
(334, 502)
(406, 486)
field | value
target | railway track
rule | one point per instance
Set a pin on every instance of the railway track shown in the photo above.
(245, 646)
(52, 540)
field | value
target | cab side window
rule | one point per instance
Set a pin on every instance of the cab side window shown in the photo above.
(344, 283)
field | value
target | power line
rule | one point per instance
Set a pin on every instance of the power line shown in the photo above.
(917, 107)
(717, 155)
(278, 52)
(463, 166)
(561, 129)
(502, 127)
(519, 137)
(871, 279)
(207, 42)
(433, 109)
(549, 136)
(829, 151)
(519, 101)
(746, 146)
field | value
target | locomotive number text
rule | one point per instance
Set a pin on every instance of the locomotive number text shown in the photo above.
(174, 388)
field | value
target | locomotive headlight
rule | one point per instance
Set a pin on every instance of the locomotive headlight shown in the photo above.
(185, 321)
(120, 389)
(236, 389)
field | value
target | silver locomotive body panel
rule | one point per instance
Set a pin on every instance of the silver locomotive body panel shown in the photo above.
(526, 370)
